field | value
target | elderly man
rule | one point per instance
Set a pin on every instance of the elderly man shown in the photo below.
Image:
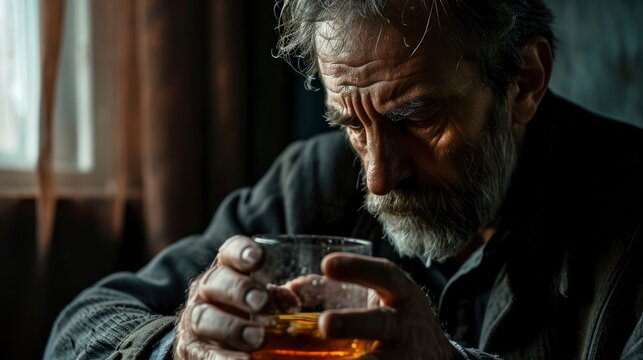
(505, 221)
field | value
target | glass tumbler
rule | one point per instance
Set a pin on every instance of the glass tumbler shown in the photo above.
(299, 292)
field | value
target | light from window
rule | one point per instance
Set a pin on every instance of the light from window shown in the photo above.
(74, 151)
(19, 83)
(73, 113)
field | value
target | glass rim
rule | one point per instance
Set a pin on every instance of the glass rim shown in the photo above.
(338, 242)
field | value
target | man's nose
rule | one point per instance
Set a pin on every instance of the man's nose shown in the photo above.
(386, 163)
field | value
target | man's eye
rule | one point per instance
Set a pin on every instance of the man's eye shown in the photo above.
(354, 124)
(421, 120)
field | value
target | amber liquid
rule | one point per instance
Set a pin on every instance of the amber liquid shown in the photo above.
(297, 337)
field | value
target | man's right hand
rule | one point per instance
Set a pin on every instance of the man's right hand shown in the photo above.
(215, 321)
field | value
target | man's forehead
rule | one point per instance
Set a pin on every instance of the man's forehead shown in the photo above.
(409, 23)
(343, 42)
(371, 53)
(363, 41)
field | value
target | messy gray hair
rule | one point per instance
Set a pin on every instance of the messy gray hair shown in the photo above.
(488, 32)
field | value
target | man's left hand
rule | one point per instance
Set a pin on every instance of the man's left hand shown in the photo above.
(400, 316)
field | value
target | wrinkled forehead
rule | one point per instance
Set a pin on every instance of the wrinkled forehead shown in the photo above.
(366, 52)
(408, 30)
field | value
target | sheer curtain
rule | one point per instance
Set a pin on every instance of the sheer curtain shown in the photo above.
(52, 12)
(148, 117)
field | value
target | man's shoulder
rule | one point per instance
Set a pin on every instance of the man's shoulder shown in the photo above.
(581, 179)
(590, 132)
(596, 181)
(588, 150)
(326, 158)
(324, 147)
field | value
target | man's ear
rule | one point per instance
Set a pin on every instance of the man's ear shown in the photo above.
(532, 80)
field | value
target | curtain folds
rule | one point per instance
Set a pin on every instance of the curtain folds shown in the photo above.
(172, 88)
(52, 16)
(126, 114)
(172, 100)
(187, 105)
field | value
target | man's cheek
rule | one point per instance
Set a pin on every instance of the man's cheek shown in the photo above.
(358, 142)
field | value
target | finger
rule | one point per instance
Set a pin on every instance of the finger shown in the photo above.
(284, 300)
(198, 350)
(387, 279)
(226, 286)
(310, 289)
(375, 324)
(317, 290)
(241, 253)
(210, 323)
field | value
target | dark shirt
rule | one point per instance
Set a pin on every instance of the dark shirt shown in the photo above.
(461, 292)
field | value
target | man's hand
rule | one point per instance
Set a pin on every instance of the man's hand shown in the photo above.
(215, 321)
(399, 316)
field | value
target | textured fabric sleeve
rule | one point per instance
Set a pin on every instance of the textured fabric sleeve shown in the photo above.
(634, 347)
(125, 315)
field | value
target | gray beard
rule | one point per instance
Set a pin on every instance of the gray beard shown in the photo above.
(438, 223)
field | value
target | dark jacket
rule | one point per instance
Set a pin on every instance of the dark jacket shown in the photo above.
(570, 284)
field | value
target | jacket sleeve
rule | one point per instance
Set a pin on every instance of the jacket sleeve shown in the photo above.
(126, 314)
(634, 347)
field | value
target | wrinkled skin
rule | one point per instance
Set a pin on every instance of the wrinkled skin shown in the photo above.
(214, 323)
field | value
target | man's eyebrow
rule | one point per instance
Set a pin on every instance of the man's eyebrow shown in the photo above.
(410, 107)
(335, 118)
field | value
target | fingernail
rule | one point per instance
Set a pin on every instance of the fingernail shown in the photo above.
(251, 255)
(253, 336)
(256, 299)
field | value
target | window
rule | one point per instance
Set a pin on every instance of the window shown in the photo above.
(75, 124)
(73, 115)
(20, 79)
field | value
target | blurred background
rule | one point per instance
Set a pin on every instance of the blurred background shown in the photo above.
(124, 123)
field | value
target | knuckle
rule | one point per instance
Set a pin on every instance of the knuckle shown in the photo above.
(230, 244)
(185, 319)
(209, 322)
(209, 279)
(196, 321)
(229, 241)
(197, 283)
(225, 284)
(194, 350)
(183, 343)
(212, 354)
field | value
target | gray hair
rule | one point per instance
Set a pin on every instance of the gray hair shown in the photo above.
(488, 32)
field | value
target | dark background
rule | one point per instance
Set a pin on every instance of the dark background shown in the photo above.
(598, 64)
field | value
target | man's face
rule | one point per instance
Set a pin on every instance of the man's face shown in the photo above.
(437, 149)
